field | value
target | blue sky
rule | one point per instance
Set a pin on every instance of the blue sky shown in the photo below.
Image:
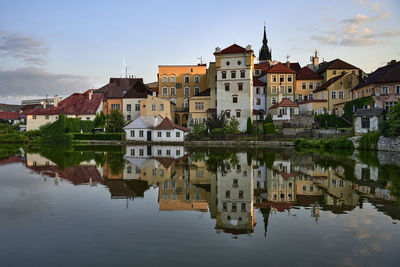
(47, 47)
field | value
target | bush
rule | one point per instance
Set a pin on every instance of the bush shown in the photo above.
(331, 120)
(269, 128)
(199, 128)
(249, 127)
(268, 119)
(369, 140)
(103, 136)
(11, 138)
(115, 122)
(391, 127)
(232, 127)
(33, 133)
(218, 131)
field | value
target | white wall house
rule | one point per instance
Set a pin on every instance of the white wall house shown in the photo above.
(366, 120)
(167, 131)
(259, 98)
(234, 66)
(141, 129)
(284, 109)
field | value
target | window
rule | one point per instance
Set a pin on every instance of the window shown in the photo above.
(137, 107)
(235, 183)
(282, 90)
(227, 194)
(341, 83)
(385, 90)
(227, 87)
(164, 79)
(365, 123)
(389, 105)
(242, 205)
(178, 135)
(289, 89)
(273, 89)
(224, 206)
(239, 62)
(258, 101)
(397, 89)
(129, 169)
(273, 100)
(233, 74)
(159, 134)
(132, 133)
(235, 99)
(310, 85)
(168, 134)
(197, 79)
(132, 152)
(165, 91)
(196, 90)
(224, 75)
(187, 79)
(153, 107)
(274, 78)
(300, 97)
(128, 107)
(178, 152)
(159, 151)
(115, 106)
(310, 96)
(281, 78)
(228, 113)
(241, 193)
(303, 85)
(333, 94)
(34, 117)
(289, 78)
(161, 107)
(317, 84)
(341, 95)
(242, 74)
(46, 117)
(233, 207)
(240, 86)
(187, 91)
(257, 90)
(141, 152)
(140, 133)
(128, 118)
(172, 91)
(238, 114)
(228, 63)
(199, 105)
(334, 72)
(172, 79)
(257, 72)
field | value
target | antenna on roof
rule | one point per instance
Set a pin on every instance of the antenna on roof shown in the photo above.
(287, 58)
(201, 60)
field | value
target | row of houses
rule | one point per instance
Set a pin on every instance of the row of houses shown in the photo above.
(233, 83)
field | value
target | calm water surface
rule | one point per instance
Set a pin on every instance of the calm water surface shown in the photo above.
(176, 206)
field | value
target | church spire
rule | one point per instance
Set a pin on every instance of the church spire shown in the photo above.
(265, 53)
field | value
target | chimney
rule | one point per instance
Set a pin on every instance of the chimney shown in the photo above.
(155, 121)
(288, 64)
(44, 103)
(55, 101)
(217, 49)
(392, 62)
(248, 47)
(154, 93)
(90, 95)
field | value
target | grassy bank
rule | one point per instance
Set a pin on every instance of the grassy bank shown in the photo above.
(337, 143)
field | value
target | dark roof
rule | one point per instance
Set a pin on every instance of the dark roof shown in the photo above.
(26, 108)
(262, 66)
(233, 49)
(138, 90)
(329, 82)
(295, 66)
(122, 87)
(204, 93)
(306, 73)
(75, 104)
(166, 162)
(312, 101)
(257, 82)
(9, 108)
(386, 74)
(280, 68)
(286, 102)
(334, 64)
(9, 115)
(167, 124)
(369, 112)
(211, 110)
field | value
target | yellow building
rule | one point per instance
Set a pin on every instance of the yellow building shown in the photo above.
(177, 83)
(328, 70)
(336, 91)
(153, 106)
(306, 82)
(281, 82)
(212, 83)
(198, 106)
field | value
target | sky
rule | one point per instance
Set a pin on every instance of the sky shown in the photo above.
(57, 48)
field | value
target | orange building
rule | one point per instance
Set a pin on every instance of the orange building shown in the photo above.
(179, 82)
(306, 82)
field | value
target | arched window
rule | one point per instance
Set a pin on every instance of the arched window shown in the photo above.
(233, 74)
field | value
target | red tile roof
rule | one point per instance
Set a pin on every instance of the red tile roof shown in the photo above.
(167, 124)
(9, 115)
(286, 102)
(280, 68)
(306, 73)
(233, 49)
(262, 66)
(257, 82)
(75, 104)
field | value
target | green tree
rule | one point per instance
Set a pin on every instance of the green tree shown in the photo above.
(100, 120)
(233, 126)
(268, 119)
(249, 128)
(115, 122)
(216, 121)
(391, 127)
(199, 128)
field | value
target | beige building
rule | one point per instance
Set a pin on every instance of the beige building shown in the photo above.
(198, 106)
(153, 106)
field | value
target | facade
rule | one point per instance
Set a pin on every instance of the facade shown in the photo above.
(366, 120)
(198, 106)
(259, 98)
(141, 128)
(212, 84)
(336, 67)
(314, 106)
(155, 106)
(306, 82)
(284, 109)
(234, 66)
(336, 90)
(167, 131)
(177, 83)
(82, 106)
(131, 100)
(281, 82)
(383, 85)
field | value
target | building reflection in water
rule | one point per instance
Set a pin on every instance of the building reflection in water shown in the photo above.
(230, 186)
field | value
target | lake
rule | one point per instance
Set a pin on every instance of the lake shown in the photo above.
(180, 206)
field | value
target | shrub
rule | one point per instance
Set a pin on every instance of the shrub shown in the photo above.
(199, 128)
(33, 133)
(11, 138)
(357, 103)
(249, 127)
(115, 122)
(216, 121)
(232, 127)
(268, 119)
(391, 127)
(98, 136)
(331, 120)
(269, 128)
(337, 143)
(369, 140)
(218, 131)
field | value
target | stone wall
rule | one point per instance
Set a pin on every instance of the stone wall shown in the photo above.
(389, 144)
(296, 121)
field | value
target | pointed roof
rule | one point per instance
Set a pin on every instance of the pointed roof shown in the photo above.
(265, 52)
(143, 122)
(280, 68)
(295, 66)
(286, 102)
(334, 64)
(306, 73)
(329, 82)
(167, 124)
(233, 49)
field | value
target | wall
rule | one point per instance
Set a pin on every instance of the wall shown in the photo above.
(133, 113)
(107, 105)
(280, 94)
(306, 92)
(198, 114)
(389, 144)
(172, 138)
(212, 83)
(34, 124)
(146, 107)
(137, 134)
(373, 125)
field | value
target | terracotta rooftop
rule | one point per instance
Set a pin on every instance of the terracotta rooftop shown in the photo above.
(334, 64)
(233, 49)
(306, 73)
(167, 124)
(286, 102)
(329, 82)
(75, 104)
(262, 66)
(280, 68)
(9, 115)
(257, 82)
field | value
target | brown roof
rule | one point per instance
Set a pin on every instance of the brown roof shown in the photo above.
(233, 49)
(257, 82)
(329, 82)
(334, 64)
(306, 73)
(122, 87)
(75, 104)
(9, 115)
(295, 66)
(166, 162)
(286, 102)
(262, 66)
(203, 93)
(211, 110)
(280, 68)
(167, 124)
(312, 101)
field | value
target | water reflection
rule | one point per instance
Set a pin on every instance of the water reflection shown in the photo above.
(230, 185)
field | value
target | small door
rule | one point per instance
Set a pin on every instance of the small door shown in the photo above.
(148, 135)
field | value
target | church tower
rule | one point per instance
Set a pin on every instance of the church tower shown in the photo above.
(265, 52)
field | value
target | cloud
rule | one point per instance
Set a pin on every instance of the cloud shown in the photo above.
(21, 47)
(34, 81)
(362, 19)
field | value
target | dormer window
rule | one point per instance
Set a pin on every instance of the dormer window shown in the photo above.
(257, 72)
(228, 63)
